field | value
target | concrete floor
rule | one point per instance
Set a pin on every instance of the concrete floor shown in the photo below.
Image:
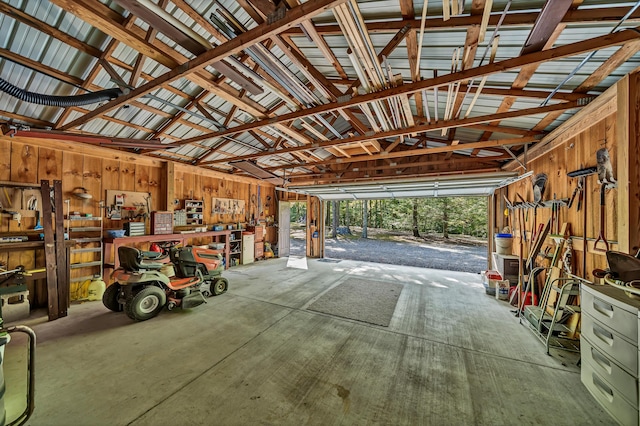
(451, 356)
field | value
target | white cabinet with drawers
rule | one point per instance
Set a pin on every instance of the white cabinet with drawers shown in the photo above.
(609, 350)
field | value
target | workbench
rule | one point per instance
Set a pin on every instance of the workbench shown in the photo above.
(111, 245)
(39, 245)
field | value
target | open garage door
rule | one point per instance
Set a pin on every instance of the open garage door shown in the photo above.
(428, 245)
(438, 186)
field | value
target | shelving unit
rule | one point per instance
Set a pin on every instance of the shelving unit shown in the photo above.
(87, 254)
(235, 247)
(195, 211)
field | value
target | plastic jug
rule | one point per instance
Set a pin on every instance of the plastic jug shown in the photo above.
(96, 288)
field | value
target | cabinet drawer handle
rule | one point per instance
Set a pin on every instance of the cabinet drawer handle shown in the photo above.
(602, 307)
(604, 389)
(603, 335)
(601, 360)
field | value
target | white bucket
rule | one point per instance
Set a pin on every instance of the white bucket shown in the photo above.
(503, 243)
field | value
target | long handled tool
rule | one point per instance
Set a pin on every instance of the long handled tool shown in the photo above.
(581, 174)
(601, 236)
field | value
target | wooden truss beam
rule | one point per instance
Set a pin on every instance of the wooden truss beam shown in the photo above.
(496, 67)
(582, 16)
(249, 38)
(414, 130)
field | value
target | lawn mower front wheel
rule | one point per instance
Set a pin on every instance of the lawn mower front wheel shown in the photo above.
(219, 286)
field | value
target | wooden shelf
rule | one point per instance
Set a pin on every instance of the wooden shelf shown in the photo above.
(195, 211)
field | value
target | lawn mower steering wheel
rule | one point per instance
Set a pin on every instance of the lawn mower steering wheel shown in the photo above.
(168, 245)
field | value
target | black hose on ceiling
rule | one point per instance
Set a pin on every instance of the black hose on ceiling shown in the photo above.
(59, 101)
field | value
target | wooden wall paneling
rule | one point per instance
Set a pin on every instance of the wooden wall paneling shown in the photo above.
(628, 163)
(157, 188)
(49, 164)
(92, 182)
(110, 181)
(207, 183)
(188, 185)
(127, 176)
(168, 186)
(72, 171)
(72, 178)
(5, 160)
(24, 163)
(575, 152)
(243, 192)
(198, 193)
(142, 178)
(178, 184)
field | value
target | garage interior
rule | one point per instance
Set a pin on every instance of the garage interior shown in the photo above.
(125, 123)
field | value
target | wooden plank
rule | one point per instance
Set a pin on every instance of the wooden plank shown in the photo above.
(420, 39)
(514, 18)
(127, 177)
(62, 273)
(50, 253)
(49, 164)
(488, 4)
(628, 163)
(538, 57)
(249, 38)
(72, 170)
(625, 52)
(42, 26)
(407, 131)
(142, 178)
(603, 106)
(24, 160)
(5, 161)
(156, 188)
(170, 186)
(549, 18)
(92, 182)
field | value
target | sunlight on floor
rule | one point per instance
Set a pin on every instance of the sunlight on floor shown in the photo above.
(433, 247)
(297, 262)
(436, 284)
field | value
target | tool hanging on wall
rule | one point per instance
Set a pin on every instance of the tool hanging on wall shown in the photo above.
(539, 183)
(601, 236)
(581, 174)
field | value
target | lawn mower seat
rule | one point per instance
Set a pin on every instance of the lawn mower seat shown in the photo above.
(131, 260)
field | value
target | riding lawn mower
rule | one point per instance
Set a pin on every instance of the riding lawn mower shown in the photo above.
(143, 285)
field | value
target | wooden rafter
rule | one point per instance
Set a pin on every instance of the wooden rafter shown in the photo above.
(421, 128)
(592, 15)
(42, 26)
(621, 37)
(255, 35)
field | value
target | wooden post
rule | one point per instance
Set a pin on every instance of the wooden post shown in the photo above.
(170, 182)
(365, 213)
(628, 163)
(491, 208)
(49, 252)
(61, 253)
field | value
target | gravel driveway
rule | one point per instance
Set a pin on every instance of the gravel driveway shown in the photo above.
(435, 255)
